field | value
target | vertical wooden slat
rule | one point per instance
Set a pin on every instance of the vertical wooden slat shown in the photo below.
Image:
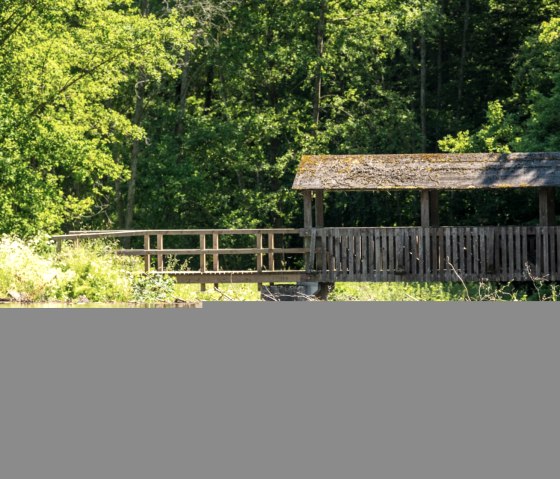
(447, 256)
(469, 254)
(384, 254)
(546, 252)
(524, 252)
(407, 255)
(312, 250)
(365, 255)
(319, 209)
(503, 248)
(337, 251)
(324, 260)
(511, 257)
(147, 258)
(58, 245)
(440, 255)
(483, 272)
(371, 252)
(344, 256)
(358, 249)
(216, 256)
(159, 246)
(202, 259)
(538, 265)
(259, 245)
(547, 213)
(378, 254)
(476, 253)
(390, 254)
(557, 234)
(271, 247)
(461, 252)
(553, 270)
(421, 256)
(490, 264)
(517, 262)
(427, 253)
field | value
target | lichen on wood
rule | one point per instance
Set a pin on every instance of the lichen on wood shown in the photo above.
(438, 171)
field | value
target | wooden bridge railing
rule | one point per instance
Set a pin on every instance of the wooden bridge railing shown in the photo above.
(496, 253)
(266, 253)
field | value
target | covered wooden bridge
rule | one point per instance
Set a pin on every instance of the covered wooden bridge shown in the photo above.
(323, 254)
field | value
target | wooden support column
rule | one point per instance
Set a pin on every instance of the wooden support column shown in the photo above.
(159, 241)
(429, 208)
(307, 222)
(547, 207)
(319, 223)
(147, 258)
(202, 259)
(319, 209)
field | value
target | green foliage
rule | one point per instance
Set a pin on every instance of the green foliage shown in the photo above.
(90, 271)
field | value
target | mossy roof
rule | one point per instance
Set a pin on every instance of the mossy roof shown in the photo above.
(438, 171)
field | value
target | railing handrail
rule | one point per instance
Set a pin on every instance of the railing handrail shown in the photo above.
(173, 232)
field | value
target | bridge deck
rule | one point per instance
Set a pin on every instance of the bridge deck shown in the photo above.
(495, 253)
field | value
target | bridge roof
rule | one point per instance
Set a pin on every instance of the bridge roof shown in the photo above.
(438, 171)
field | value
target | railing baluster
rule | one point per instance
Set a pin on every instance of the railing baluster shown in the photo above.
(159, 255)
(259, 238)
(271, 253)
(216, 256)
(202, 259)
(147, 259)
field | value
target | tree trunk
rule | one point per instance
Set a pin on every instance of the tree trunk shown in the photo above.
(463, 60)
(423, 90)
(136, 120)
(320, 45)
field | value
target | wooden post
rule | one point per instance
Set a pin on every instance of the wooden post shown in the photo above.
(58, 245)
(202, 259)
(271, 253)
(160, 255)
(547, 207)
(259, 257)
(307, 223)
(147, 258)
(319, 209)
(216, 256)
(319, 223)
(429, 208)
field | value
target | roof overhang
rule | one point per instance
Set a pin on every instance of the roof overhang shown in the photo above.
(438, 171)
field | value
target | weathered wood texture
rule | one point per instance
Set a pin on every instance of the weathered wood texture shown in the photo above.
(438, 171)
(499, 253)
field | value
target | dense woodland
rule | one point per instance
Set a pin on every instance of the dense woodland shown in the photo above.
(194, 113)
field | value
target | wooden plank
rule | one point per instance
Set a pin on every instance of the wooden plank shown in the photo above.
(557, 234)
(538, 265)
(518, 262)
(147, 258)
(159, 243)
(447, 256)
(378, 254)
(525, 252)
(324, 260)
(357, 253)
(503, 251)
(511, 254)
(407, 254)
(552, 243)
(461, 260)
(307, 209)
(425, 208)
(371, 252)
(258, 238)
(441, 255)
(319, 209)
(428, 253)
(421, 256)
(216, 256)
(434, 253)
(224, 251)
(175, 232)
(476, 252)
(390, 254)
(271, 264)
(312, 250)
(546, 253)
(344, 245)
(202, 245)
(490, 263)
(196, 277)
(547, 210)
(483, 271)
(365, 250)
(384, 254)
(469, 254)
(337, 252)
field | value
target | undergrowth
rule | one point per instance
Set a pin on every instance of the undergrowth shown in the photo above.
(91, 271)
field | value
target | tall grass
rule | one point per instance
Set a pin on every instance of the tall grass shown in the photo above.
(91, 271)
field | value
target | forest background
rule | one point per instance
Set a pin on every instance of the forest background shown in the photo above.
(194, 113)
